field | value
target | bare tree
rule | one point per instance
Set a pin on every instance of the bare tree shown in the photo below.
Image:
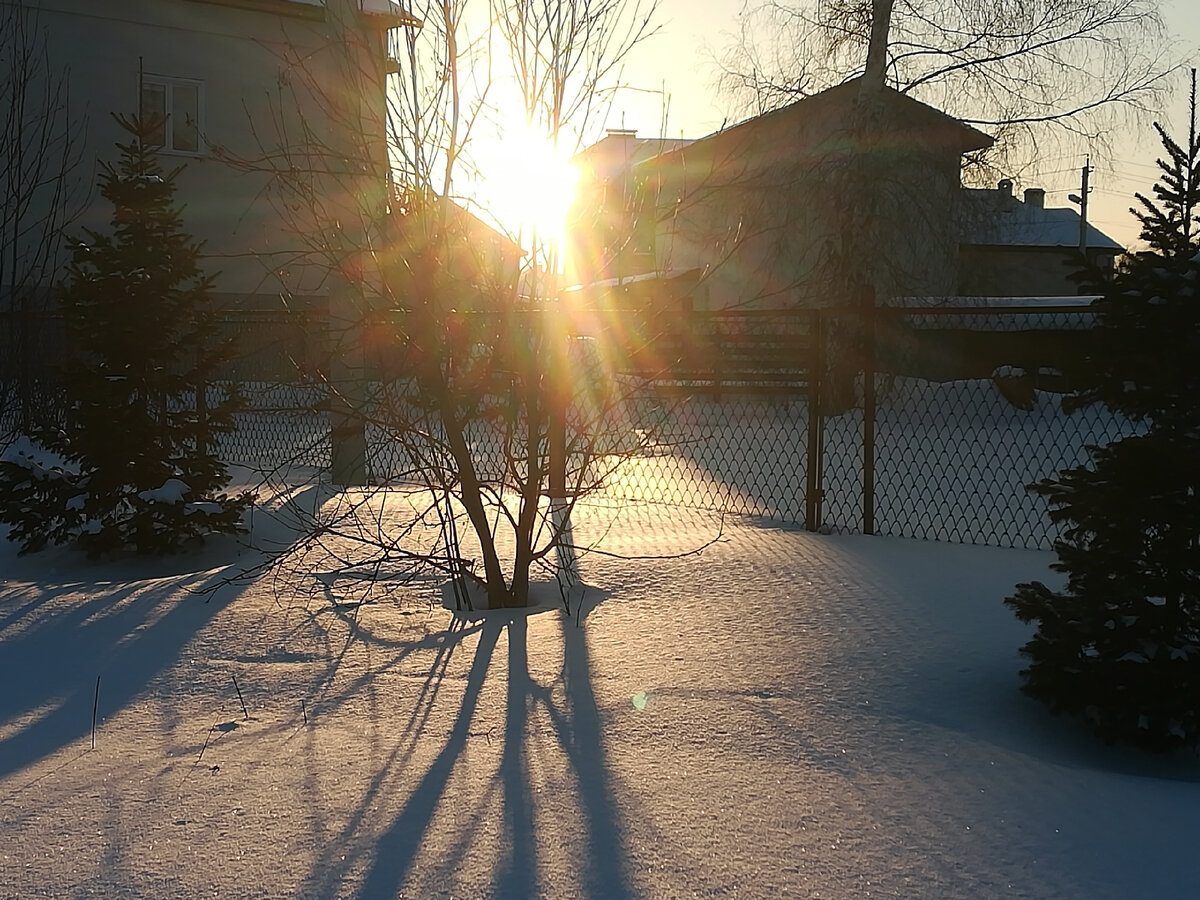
(503, 373)
(467, 412)
(1026, 72)
(41, 191)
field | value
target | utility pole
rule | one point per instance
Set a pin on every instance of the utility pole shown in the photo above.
(1082, 199)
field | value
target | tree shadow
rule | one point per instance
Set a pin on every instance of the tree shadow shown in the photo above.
(136, 617)
(530, 821)
(581, 735)
(398, 846)
(54, 652)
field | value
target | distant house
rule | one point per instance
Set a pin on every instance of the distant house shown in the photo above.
(240, 86)
(759, 211)
(761, 207)
(614, 218)
(480, 262)
(1011, 247)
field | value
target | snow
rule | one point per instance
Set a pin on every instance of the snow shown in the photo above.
(780, 715)
(1008, 372)
(41, 463)
(172, 491)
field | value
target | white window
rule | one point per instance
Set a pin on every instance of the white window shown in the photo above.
(176, 106)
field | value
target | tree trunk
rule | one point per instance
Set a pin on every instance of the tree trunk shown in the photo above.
(875, 73)
(471, 496)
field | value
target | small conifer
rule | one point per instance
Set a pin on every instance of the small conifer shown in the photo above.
(1120, 644)
(131, 464)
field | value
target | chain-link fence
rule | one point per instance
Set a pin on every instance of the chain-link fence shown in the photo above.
(276, 366)
(718, 401)
(924, 422)
(970, 412)
(31, 344)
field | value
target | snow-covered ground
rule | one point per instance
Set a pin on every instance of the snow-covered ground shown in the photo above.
(780, 715)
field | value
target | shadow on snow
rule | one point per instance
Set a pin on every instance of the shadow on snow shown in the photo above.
(392, 858)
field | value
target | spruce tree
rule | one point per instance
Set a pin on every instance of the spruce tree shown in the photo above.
(1120, 645)
(131, 464)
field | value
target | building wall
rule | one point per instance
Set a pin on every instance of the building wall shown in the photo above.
(611, 222)
(792, 211)
(998, 271)
(257, 101)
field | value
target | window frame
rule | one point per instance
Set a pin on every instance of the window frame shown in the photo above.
(168, 83)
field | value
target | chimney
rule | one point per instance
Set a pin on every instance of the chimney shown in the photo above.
(621, 132)
(1035, 197)
(1005, 187)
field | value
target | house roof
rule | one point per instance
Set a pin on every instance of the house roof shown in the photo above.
(664, 277)
(392, 12)
(461, 223)
(992, 216)
(915, 112)
(903, 112)
(476, 229)
(621, 149)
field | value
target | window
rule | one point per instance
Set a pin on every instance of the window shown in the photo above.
(176, 106)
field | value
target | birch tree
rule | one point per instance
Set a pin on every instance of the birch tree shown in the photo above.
(1026, 72)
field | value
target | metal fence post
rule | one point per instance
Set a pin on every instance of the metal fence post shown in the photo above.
(347, 379)
(203, 440)
(816, 424)
(555, 333)
(868, 372)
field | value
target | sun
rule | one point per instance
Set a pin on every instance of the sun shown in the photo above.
(527, 185)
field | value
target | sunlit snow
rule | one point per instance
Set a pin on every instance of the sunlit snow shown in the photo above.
(780, 715)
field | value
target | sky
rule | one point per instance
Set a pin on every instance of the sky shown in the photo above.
(693, 31)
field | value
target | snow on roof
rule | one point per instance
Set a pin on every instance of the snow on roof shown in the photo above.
(1010, 313)
(625, 280)
(993, 216)
(370, 7)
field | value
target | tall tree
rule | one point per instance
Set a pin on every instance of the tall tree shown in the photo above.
(1120, 644)
(1027, 72)
(131, 464)
(474, 412)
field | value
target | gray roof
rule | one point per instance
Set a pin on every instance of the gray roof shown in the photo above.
(995, 217)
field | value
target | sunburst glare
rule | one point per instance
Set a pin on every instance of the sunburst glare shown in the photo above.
(527, 185)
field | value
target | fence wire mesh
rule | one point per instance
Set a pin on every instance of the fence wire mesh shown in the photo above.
(933, 434)
(969, 411)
